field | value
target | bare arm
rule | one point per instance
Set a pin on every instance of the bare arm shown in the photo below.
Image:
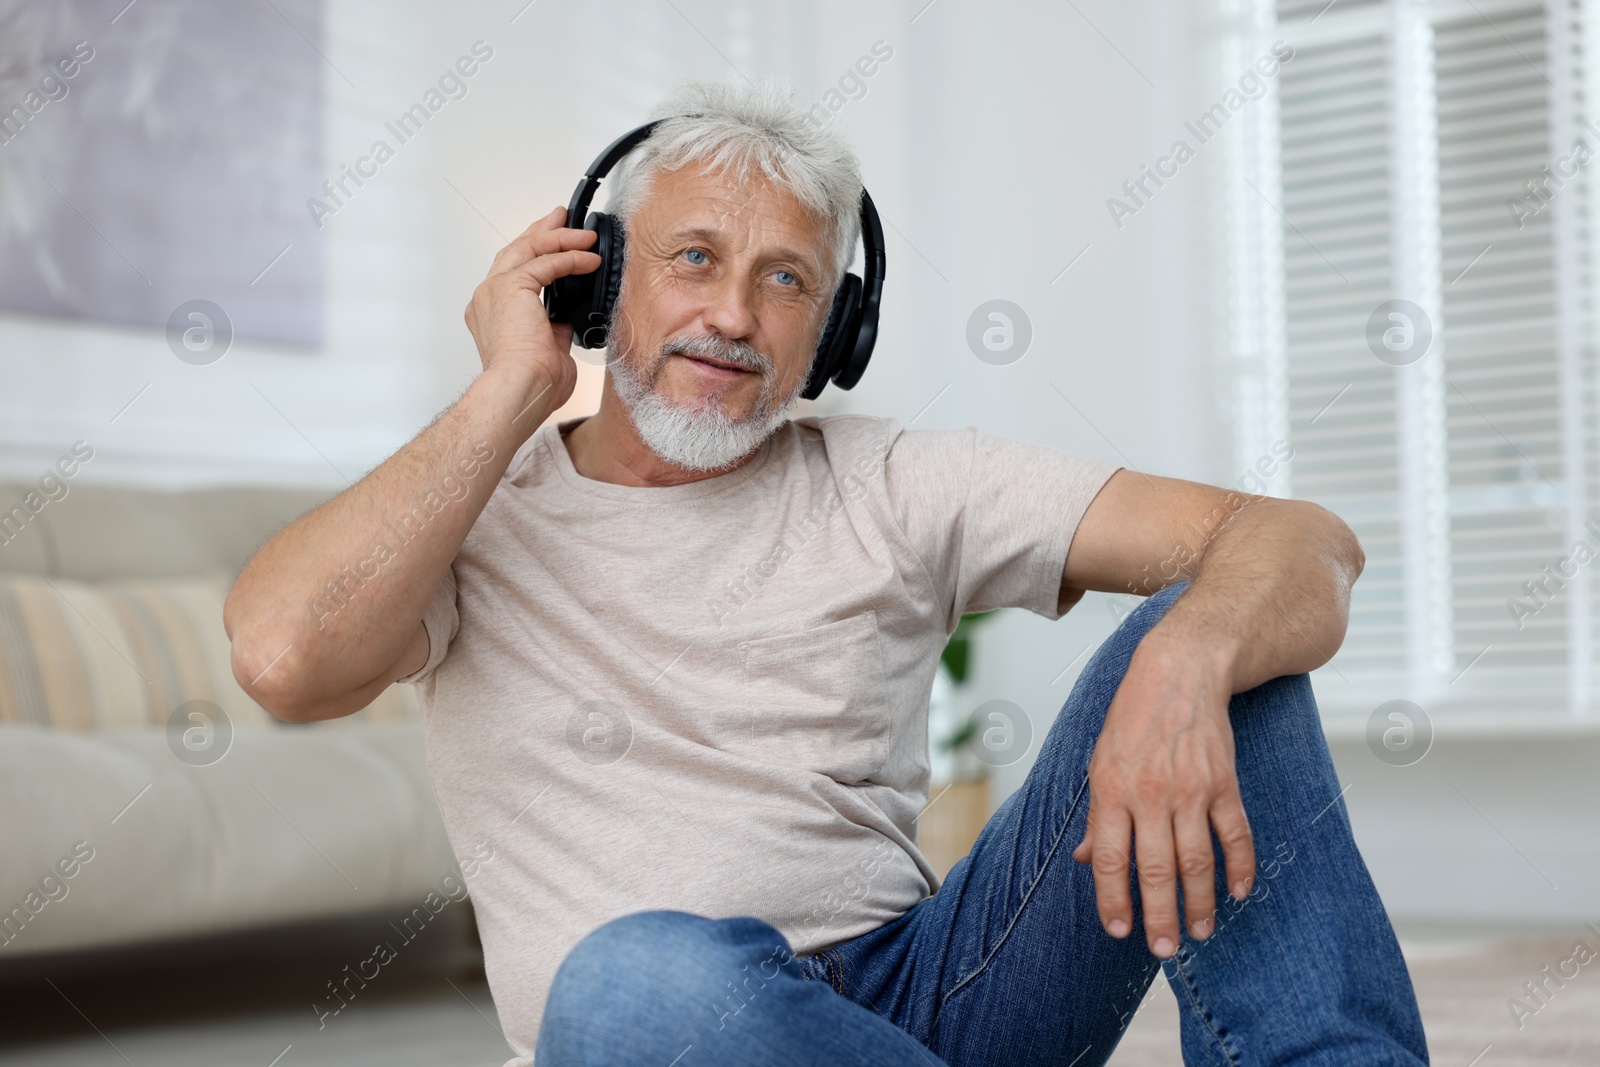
(1269, 579)
(329, 612)
(1269, 595)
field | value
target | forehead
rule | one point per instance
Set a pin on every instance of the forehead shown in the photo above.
(695, 200)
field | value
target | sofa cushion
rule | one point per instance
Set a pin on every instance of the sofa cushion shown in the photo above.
(292, 823)
(104, 532)
(91, 656)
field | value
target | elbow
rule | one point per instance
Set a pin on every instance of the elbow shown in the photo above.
(1347, 550)
(266, 668)
(1346, 560)
(1328, 538)
(267, 656)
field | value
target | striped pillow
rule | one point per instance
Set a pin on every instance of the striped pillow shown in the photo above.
(89, 656)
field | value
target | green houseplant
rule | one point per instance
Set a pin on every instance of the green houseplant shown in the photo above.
(951, 726)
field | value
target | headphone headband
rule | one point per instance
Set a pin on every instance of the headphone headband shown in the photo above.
(584, 193)
(586, 300)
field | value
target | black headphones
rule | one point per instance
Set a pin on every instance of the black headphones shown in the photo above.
(587, 300)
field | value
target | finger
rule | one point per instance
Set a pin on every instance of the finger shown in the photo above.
(553, 218)
(525, 250)
(1197, 868)
(1109, 860)
(541, 271)
(1085, 849)
(1238, 843)
(544, 235)
(1158, 881)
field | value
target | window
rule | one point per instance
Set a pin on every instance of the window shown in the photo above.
(1434, 153)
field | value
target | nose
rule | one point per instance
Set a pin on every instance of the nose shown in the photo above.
(730, 309)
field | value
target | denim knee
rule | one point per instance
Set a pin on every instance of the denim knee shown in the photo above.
(1143, 618)
(1102, 675)
(644, 970)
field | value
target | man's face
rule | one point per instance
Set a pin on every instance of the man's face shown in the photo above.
(723, 297)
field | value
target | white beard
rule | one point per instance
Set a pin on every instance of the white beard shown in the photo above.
(699, 436)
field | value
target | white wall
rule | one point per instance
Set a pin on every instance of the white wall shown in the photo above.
(990, 142)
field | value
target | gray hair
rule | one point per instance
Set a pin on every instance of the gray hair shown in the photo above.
(729, 128)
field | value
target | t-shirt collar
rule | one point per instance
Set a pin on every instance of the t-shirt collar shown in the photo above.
(555, 449)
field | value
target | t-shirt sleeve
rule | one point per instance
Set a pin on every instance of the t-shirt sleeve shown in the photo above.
(441, 622)
(991, 518)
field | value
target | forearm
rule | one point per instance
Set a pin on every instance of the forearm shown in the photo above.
(1270, 592)
(323, 617)
(1268, 595)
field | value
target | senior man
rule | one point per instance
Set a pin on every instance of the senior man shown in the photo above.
(675, 659)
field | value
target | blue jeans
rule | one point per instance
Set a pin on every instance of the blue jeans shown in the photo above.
(1008, 964)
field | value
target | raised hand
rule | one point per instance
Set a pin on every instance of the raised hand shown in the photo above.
(506, 314)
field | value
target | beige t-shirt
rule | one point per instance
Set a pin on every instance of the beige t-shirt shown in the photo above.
(713, 697)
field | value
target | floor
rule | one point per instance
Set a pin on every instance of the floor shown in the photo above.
(442, 1020)
(446, 1019)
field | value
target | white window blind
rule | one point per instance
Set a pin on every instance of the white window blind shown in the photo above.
(1425, 151)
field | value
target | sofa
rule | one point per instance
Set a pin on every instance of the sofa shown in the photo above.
(145, 799)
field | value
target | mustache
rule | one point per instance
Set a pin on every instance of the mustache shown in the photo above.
(739, 353)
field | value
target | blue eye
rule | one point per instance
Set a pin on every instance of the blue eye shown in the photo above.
(696, 252)
(782, 274)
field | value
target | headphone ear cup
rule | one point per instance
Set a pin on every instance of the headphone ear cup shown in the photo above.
(592, 318)
(568, 299)
(836, 339)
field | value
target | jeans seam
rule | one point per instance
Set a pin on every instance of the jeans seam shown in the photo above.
(1200, 1010)
(1026, 900)
(1055, 846)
